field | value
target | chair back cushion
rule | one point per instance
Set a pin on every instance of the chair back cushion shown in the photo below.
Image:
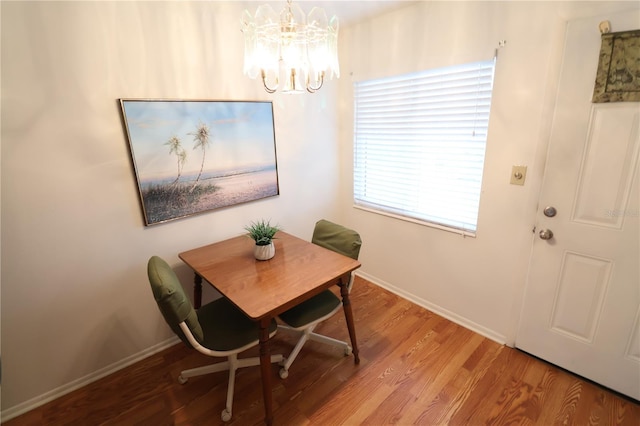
(337, 238)
(171, 299)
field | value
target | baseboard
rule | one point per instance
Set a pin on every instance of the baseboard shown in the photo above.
(451, 316)
(26, 406)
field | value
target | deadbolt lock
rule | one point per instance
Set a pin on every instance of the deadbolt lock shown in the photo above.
(550, 211)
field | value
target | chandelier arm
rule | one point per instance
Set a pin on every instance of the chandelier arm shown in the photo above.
(264, 82)
(312, 89)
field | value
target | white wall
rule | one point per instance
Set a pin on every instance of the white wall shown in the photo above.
(478, 281)
(75, 297)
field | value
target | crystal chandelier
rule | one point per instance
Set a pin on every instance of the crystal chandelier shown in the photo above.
(291, 52)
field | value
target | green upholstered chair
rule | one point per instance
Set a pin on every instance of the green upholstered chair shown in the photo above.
(304, 317)
(217, 329)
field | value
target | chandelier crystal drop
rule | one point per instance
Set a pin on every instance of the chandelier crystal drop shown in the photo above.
(291, 52)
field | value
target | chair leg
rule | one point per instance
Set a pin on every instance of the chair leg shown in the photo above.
(251, 362)
(233, 366)
(199, 371)
(306, 335)
(330, 341)
(284, 371)
(223, 366)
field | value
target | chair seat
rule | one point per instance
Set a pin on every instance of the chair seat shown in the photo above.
(311, 310)
(218, 329)
(304, 317)
(225, 327)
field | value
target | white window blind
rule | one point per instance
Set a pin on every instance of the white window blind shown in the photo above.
(420, 141)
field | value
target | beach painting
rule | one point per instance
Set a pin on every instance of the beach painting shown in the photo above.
(190, 157)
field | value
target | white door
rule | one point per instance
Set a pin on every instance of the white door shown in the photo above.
(581, 309)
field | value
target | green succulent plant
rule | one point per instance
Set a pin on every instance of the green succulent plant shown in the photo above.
(261, 232)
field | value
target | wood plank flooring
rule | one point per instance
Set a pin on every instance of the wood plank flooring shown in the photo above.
(416, 368)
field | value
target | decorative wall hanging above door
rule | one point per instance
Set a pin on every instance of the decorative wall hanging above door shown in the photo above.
(618, 77)
(194, 156)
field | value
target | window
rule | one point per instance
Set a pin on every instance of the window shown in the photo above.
(419, 144)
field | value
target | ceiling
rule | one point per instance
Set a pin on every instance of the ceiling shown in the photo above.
(350, 11)
(347, 11)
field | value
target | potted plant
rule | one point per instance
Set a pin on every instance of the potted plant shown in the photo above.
(262, 232)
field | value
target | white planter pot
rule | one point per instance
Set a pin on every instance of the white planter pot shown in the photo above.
(264, 252)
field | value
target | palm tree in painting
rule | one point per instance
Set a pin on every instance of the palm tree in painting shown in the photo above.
(175, 147)
(201, 138)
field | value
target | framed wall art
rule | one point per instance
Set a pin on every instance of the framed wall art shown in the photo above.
(194, 156)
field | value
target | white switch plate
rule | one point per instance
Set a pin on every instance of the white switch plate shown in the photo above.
(518, 175)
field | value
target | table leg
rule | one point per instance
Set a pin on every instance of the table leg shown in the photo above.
(265, 367)
(197, 291)
(346, 305)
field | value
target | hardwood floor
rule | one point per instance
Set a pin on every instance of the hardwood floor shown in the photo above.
(416, 368)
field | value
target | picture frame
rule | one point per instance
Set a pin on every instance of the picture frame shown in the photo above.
(195, 156)
(618, 75)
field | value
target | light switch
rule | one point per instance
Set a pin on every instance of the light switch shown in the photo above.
(518, 175)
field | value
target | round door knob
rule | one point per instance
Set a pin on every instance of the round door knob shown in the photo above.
(546, 234)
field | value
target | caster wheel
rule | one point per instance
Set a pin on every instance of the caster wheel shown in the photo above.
(348, 351)
(283, 373)
(182, 380)
(226, 415)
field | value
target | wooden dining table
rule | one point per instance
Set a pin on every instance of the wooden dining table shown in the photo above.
(264, 289)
